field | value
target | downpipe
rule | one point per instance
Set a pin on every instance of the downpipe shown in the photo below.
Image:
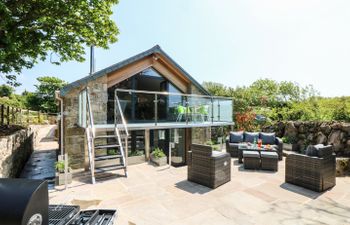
(64, 156)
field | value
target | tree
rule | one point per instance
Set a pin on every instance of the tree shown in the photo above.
(32, 101)
(6, 90)
(45, 93)
(341, 112)
(216, 89)
(289, 91)
(30, 29)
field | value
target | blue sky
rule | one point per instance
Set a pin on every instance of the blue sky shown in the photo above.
(231, 42)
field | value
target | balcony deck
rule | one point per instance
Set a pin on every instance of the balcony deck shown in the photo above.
(164, 125)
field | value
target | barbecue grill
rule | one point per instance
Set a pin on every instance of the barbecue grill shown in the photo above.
(62, 214)
(23, 202)
(26, 202)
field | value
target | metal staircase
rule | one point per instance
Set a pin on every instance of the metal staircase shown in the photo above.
(106, 149)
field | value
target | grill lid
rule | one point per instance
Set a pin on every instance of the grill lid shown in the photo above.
(23, 201)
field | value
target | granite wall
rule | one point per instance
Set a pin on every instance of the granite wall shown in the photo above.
(74, 136)
(305, 133)
(15, 150)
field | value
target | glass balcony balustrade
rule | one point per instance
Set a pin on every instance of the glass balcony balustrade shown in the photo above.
(165, 107)
(145, 109)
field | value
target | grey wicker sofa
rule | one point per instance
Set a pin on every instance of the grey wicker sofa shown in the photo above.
(315, 171)
(207, 167)
(235, 139)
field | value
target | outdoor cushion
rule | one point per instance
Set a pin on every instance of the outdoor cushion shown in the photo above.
(250, 136)
(236, 137)
(323, 151)
(274, 146)
(312, 150)
(251, 154)
(217, 154)
(268, 138)
(271, 155)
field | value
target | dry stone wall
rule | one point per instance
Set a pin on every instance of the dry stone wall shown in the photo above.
(305, 133)
(15, 150)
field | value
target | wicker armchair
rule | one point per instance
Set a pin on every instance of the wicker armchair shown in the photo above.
(207, 167)
(312, 172)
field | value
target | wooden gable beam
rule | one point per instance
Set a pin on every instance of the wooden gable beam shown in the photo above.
(158, 63)
(129, 71)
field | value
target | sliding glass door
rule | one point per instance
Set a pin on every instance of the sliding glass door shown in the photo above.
(172, 142)
(177, 145)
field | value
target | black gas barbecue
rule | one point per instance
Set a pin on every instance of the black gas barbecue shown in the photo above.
(25, 202)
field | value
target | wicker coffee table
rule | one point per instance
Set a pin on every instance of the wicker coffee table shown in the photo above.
(242, 148)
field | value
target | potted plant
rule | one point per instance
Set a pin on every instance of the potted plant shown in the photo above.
(158, 157)
(289, 144)
(136, 157)
(216, 146)
(60, 176)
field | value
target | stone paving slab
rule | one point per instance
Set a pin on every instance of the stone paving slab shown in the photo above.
(158, 195)
(41, 164)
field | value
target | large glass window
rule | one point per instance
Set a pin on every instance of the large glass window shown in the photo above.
(82, 109)
(141, 107)
(176, 103)
(136, 143)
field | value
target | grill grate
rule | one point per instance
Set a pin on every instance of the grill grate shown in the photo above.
(95, 217)
(62, 214)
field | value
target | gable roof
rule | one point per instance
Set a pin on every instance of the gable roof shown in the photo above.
(114, 67)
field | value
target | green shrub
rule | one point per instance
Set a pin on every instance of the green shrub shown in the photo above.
(341, 111)
(216, 147)
(289, 140)
(111, 151)
(158, 153)
(6, 90)
(135, 153)
(59, 165)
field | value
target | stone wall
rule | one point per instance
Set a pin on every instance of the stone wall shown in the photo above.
(343, 167)
(15, 150)
(305, 133)
(74, 136)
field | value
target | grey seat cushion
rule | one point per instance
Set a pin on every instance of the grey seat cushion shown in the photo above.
(312, 150)
(274, 147)
(236, 137)
(217, 154)
(251, 154)
(268, 138)
(272, 155)
(324, 151)
(250, 136)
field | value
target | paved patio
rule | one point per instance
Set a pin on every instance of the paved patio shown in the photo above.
(153, 195)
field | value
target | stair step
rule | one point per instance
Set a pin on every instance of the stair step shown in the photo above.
(105, 136)
(106, 146)
(109, 168)
(107, 157)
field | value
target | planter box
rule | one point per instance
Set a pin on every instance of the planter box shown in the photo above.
(132, 160)
(160, 161)
(291, 147)
(60, 178)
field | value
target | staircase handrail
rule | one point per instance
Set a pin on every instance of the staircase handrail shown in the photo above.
(91, 118)
(121, 114)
